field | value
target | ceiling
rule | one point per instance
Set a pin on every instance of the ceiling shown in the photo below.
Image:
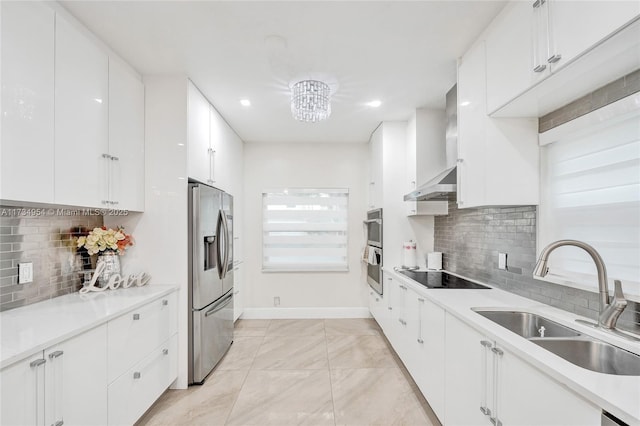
(402, 53)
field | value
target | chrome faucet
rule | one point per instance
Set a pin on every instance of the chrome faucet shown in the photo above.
(609, 312)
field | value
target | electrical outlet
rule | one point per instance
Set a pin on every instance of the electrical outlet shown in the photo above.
(276, 301)
(25, 272)
(502, 261)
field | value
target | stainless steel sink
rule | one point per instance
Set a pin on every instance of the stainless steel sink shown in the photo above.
(528, 325)
(569, 344)
(594, 355)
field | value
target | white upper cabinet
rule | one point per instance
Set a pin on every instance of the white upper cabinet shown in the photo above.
(82, 161)
(375, 169)
(497, 158)
(576, 26)
(530, 41)
(126, 137)
(200, 156)
(27, 145)
(215, 150)
(511, 45)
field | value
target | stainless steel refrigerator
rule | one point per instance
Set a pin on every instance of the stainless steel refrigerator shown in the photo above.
(210, 278)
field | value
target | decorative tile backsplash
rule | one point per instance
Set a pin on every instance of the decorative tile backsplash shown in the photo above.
(45, 238)
(470, 240)
(616, 90)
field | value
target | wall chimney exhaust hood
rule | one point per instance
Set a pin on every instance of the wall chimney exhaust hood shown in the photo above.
(437, 188)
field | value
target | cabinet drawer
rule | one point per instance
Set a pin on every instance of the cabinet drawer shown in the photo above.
(133, 335)
(136, 390)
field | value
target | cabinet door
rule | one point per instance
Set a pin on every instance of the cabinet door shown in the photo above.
(22, 389)
(514, 47)
(430, 354)
(222, 139)
(77, 380)
(529, 397)
(575, 27)
(375, 184)
(471, 127)
(81, 121)
(465, 374)
(126, 137)
(199, 156)
(238, 291)
(26, 152)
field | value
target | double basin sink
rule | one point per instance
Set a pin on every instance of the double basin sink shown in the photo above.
(580, 349)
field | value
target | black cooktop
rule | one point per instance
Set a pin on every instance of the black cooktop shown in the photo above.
(435, 279)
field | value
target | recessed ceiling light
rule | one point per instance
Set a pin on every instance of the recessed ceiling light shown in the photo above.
(375, 103)
(245, 102)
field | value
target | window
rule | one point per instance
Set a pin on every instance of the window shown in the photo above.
(305, 229)
(591, 192)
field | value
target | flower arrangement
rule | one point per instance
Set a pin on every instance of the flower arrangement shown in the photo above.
(102, 239)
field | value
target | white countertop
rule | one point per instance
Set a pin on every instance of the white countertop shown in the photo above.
(32, 328)
(619, 395)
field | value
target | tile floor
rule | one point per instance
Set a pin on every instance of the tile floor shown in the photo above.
(300, 372)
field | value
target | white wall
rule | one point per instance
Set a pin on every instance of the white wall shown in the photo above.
(321, 294)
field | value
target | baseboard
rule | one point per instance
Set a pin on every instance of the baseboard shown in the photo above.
(287, 313)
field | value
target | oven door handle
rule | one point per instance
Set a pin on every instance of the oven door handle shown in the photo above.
(378, 221)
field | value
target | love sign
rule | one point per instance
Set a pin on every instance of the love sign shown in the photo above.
(116, 281)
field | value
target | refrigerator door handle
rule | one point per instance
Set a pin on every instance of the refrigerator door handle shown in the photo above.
(219, 306)
(219, 228)
(227, 241)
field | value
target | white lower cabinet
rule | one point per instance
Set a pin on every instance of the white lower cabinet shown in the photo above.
(486, 384)
(425, 323)
(136, 390)
(51, 388)
(71, 382)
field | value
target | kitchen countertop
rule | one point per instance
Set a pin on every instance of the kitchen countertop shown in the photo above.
(32, 328)
(619, 395)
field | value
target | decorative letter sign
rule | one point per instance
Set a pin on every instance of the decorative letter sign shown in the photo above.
(116, 281)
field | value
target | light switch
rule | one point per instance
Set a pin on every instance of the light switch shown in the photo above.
(502, 261)
(25, 272)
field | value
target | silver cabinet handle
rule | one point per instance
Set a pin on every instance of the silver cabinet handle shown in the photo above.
(390, 279)
(38, 362)
(555, 58)
(107, 156)
(165, 352)
(420, 299)
(497, 351)
(165, 302)
(58, 423)
(136, 317)
(115, 158)
(136, 375)
(390, 308)
(484, 408)
(460, 160)
(420, 341)
(540, 68)
(56, 354)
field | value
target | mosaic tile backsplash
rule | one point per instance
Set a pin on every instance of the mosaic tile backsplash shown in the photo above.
(470, 240)
(45, 238)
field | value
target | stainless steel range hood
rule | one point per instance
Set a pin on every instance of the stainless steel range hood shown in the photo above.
(440, 186)
(437, 188)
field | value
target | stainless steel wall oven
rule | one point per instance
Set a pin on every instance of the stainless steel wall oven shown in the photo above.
(374, 249)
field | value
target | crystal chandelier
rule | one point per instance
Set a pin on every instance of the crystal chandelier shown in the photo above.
(310, 101)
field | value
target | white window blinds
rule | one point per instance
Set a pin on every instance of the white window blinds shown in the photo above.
(591, 192)
(305, 229)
